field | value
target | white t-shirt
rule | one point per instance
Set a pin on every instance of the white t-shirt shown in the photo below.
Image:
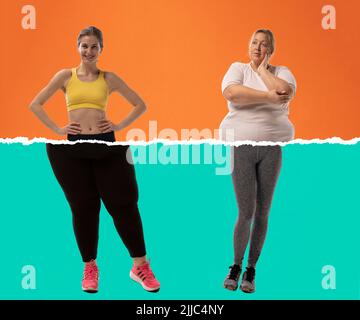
(260, 121)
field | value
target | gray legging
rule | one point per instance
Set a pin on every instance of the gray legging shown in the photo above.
(256, 169)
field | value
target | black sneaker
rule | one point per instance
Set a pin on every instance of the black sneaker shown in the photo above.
(248, 281)
(232, 280)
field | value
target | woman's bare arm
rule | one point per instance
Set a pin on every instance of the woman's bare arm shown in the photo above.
(271, 81)
(242, 95)
(118, 85)
(37, 105)
(274, 83)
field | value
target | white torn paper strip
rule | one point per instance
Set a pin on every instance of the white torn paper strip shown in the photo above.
(334, 140)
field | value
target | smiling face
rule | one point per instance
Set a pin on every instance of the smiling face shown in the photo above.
(259, 47)
(89, 49)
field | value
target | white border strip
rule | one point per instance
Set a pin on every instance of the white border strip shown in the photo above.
(334, 140)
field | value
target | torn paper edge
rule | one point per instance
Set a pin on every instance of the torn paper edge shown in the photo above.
(334, 140)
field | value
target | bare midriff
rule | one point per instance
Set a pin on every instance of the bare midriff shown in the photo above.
(88, 119)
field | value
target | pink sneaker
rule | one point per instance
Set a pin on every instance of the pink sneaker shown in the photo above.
(91, 277)
(143, 275)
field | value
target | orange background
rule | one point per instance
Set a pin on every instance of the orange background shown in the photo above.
(174, 53)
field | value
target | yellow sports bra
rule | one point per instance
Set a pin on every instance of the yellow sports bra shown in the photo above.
(81, 94)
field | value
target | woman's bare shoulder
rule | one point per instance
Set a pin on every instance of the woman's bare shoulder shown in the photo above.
(64, 73)
(111, 76)
(113, 80)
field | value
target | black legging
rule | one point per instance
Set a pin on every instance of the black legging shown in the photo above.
(88, 172)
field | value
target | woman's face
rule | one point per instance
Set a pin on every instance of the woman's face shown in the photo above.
(259, 47)
(89, 49)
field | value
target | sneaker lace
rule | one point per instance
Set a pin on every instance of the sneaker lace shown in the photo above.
(147, 271)
(90, 272)
(250, 274)
(234, 272)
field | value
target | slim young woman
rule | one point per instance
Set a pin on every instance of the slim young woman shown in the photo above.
(258, 96)
(90, 172)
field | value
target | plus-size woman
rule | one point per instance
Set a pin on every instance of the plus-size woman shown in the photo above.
(258, 96)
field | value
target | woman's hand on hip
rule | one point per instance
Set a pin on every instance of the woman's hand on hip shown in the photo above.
(71, 128)
(106, 125)
(278, 97)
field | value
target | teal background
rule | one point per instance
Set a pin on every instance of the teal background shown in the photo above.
(188, 214)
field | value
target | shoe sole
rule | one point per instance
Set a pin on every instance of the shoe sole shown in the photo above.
(90, 290)
(247, 290)
(230, 288)
(138, 280)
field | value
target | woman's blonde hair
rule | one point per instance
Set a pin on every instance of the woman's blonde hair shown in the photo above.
(270, 37)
